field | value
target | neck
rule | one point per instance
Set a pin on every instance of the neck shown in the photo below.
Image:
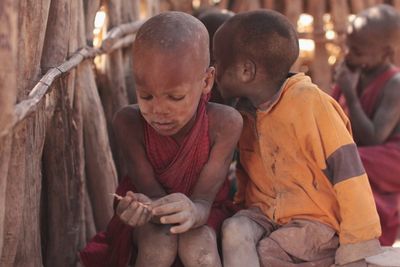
(182, 133)
(263, 93)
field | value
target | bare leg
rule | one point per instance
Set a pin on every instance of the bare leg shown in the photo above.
(156, 246)
(240, 236)
(198, 248)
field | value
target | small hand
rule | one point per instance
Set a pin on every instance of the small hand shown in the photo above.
(134, 209)
(347, 81)
(176, 209)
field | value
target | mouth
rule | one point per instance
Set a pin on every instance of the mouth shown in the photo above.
(163, 126)
(352, 67)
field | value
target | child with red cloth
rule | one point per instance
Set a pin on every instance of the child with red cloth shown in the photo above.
(178, 148)
(367, 87)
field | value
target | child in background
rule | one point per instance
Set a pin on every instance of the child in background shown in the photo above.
(368, 89)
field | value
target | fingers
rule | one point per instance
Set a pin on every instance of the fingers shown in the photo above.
(179, 229)
(132, 213)
(135, 214)
(143, 199)
(124, 203)
(169, 198)
(182, 222)
(169, 208)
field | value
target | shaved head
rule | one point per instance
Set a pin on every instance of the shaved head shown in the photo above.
(176, 33)
(264, 36)
(381, 22)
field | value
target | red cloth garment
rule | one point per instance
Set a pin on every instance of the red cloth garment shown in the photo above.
(381, 162)
(177, 168)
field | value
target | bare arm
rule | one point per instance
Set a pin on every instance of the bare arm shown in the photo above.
(225, 129)
(376, 130)
(225, 126)
(128, 129)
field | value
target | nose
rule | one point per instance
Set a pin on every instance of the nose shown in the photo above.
(159, 107)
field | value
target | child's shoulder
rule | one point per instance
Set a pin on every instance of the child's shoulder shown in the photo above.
(223, 114)
(223, 119)
(128, 119)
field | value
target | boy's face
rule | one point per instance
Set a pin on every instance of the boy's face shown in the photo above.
(363, 52)
(168, 88)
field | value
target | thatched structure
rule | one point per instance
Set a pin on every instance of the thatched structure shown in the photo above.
(58, 159)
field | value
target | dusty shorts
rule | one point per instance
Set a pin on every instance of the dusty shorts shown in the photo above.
(298, 243)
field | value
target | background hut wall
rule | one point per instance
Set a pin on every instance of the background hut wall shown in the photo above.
(58, 157)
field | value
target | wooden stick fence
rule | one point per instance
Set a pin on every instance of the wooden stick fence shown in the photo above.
(117, 38)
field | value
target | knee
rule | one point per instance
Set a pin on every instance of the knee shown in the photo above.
(159, 254)
(236, 231)
(199, 248)
(202, 256)
(157, 248)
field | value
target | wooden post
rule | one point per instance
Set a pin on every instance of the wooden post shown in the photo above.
(63, 176)
(15, 192)
(8, 72)
(245, 5)
(5, 153)
(293, 10)
(90, 9)
(129, 14)
(270, 4)
(8, 92)
(101, 175)
(100, 169)
(63, 149)
(111, 83)
(181, 5)
(320, 69)
(357, 6)
(370, 3)
(340, 13)
(22, 240)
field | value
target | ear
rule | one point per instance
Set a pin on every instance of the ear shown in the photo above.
(247, 70)
(208, 80)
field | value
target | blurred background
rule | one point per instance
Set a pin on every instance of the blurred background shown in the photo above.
(65, 70)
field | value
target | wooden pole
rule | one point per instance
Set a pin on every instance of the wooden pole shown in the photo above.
(112, 88)
(340, 13)
(181, 5)
(293, 10)
(63, 186)
(22, 240)
(5, 153)
(8, 72)
(320, 69)
(15, 192)
(90, 9)
(357, 6)
(8, 92)
(245, 5)
(100, 168)
(62, 155)
(270, 4)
